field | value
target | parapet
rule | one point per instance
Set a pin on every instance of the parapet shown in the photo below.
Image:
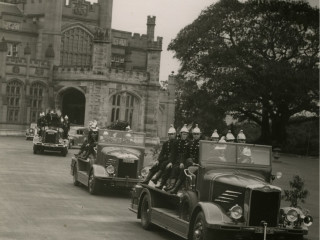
(151, 20)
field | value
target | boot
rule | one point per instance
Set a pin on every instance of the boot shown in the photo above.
(171, 184)
(176, 187)
(158, 176)
(148, 178)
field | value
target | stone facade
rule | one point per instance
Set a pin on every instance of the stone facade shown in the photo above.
(65, 55)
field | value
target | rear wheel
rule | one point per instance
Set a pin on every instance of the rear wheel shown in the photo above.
(146, 213)
(199, 229)
(64, 152)
(75, 176)
(93, 184)
(35, 150)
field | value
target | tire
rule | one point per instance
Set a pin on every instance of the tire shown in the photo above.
(199, 229)
(64, 152)
(70, 145)
(93, 184)
(75, 176)
(145, 213)
(35, 150)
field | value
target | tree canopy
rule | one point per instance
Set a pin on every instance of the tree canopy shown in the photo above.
(256, 61)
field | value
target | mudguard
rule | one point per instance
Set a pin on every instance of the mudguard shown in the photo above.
(99, 171)
(213, 214)
(73, 163)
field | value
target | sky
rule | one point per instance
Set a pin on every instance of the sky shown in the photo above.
(171, 17)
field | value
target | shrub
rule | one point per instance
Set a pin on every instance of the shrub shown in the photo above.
(297, 193)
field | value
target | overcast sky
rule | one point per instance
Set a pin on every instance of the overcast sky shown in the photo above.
(171, 17)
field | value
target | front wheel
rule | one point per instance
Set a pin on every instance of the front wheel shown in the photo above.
(64, 152)
(93, 184)
(35, 150)
(199, 229)
(146, 213)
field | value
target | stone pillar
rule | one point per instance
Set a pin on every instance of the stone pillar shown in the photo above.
(3, 59)
(128, 59)
(50, 56)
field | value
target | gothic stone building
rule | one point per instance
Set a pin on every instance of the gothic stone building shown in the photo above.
(59, 54)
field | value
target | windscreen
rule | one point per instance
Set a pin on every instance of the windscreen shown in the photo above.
(121, 137)
(234, 153)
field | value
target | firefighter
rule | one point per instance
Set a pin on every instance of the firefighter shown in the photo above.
(230, 137)
(41, 123)
(244, 151)
(215, 136)
(178, 156)
(191, 158)
(163, 161)
(66, 126)
(92, 140)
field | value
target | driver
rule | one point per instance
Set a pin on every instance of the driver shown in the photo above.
(192, 157)
(244, 151)
(92, 140)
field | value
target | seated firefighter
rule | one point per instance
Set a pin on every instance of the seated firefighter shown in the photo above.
(178, 157)
(192, 157)
(244, 151)
(163, 162)
(88, 146)
(41, 123)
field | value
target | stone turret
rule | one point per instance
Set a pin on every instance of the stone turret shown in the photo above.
(151, 23)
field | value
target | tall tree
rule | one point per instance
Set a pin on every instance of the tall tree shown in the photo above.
(257, 60)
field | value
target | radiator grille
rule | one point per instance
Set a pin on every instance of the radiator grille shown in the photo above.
(50, 138)
(127, 169)
(264, 206)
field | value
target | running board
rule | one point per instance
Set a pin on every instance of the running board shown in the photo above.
(170, 221)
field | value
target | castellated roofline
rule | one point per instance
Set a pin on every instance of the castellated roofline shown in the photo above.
(151, 20)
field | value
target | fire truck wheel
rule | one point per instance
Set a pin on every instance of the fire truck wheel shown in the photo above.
(35, 150)
(199, 229)
(145, 213)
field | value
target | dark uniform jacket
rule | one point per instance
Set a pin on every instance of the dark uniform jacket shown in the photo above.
(166, 150)
(193, 151)
(179, 151)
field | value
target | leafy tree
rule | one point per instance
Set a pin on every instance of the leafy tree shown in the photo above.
(257, 61)
(118, 125)
(297, 193)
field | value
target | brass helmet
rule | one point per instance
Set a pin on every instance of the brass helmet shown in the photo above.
(184, 129)
(215, 135)
(171, 129)
(196, 129)
(229, 136)
(241, 136)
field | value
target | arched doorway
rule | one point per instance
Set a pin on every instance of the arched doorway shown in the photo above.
(73, 105)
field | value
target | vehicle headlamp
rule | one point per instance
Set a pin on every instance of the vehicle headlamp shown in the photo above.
(236, 212)
(145, 172)
(110, 169)
(308, 220)
(292, 215)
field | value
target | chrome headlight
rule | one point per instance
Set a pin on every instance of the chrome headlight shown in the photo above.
(110, 169)
(145, 172)
(292, 215)
(236, 212)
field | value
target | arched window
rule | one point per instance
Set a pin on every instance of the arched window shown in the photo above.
(76, 47)
(14, 93)
(36, 98)
(124, 107)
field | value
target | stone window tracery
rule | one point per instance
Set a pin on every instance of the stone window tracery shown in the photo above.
(36, 100)
(124, 107)
(14, 93)
(76, 47)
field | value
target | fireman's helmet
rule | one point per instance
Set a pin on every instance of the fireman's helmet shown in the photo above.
(241, 136)
(66, 117)
(196, 129)
(184, 129)
(171, 130)
(128, 128)
(229, 136)
(215, 134)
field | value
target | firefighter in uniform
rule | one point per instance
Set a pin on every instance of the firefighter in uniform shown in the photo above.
(92, 140)
(178, 156)
(244, 151)
(230, 137)
(163, 162)
(229, 150)
(66, 127)
(191, 158)
(41, 123)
